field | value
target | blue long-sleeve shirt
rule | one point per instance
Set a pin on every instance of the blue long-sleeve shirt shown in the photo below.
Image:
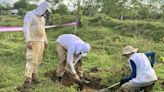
(133, 73)
(152, 55)
(134, 68)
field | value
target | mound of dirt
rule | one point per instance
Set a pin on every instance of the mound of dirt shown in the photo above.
(67, 80)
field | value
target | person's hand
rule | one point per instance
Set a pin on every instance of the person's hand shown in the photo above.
(84, 81)
(78, 82)
(76, 77)
(80, 85)
(29, 45)
(46, 45)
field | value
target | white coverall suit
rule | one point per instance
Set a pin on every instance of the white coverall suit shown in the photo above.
(70, 49)
(34, 31)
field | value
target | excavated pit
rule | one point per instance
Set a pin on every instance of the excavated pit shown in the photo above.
(67, 80)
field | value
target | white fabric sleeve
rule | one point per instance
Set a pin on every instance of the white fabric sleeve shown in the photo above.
(27, 24)
(70, 58)
(45, 37)
(76, 59)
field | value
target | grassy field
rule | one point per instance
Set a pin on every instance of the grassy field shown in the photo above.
(106, 42)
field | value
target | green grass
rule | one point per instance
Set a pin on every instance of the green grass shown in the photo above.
(8, 20)
(106, 43)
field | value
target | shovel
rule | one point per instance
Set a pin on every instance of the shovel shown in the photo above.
(110, 87)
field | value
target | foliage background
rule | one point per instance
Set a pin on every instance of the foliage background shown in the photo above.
(107, 29)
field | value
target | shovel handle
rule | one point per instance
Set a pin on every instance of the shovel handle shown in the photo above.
(116, 84)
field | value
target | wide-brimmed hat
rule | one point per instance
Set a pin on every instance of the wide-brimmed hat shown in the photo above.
(129, 49)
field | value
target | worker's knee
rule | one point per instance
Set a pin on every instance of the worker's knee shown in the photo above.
(29, 58)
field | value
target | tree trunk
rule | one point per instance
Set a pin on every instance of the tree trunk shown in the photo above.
(78, 11)
(122, 17)
(78, 16)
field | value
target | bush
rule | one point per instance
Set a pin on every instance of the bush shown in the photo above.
(11, 21)
(60, 19)
(146, 29)
(97, 19)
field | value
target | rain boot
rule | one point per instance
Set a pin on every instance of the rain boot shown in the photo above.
(35, 80)
(27, 84)
(58, 81)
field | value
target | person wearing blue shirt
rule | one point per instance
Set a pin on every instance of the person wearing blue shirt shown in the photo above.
(142, 73)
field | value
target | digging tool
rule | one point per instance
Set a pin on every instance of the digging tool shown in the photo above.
(110, 87)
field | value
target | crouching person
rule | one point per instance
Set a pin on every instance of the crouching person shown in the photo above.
(71, 49)
(142, 72)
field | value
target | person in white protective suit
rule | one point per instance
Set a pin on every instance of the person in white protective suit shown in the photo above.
(36, 41)
(71, 49)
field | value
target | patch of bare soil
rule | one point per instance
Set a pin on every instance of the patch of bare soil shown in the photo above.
(95, 69)
(163, 83)
(67, 80)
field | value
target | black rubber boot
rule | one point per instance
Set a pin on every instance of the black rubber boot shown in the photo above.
(35, 80)
(58, 81)
(27, 84)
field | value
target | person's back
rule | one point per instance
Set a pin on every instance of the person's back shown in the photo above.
(142, 72)
(71, 49)
(68, 39)
(145, 72)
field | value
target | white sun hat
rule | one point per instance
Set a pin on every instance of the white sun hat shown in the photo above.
(129, 49)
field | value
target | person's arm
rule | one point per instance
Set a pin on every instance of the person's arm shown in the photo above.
(26, 30)
(133, 73)
(45, 36)
(76, 59)
(152, 55)
(26, 26)
(70, 57)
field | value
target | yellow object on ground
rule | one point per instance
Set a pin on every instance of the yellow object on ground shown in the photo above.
(162, 59)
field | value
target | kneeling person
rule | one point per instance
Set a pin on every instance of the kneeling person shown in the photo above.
(71, 49)
(142, 74)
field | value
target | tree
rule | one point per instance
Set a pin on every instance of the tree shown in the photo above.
(2, 9)
(20, 4)
(23, 6)
(114, 8)
(62, 9)
(91, 7)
